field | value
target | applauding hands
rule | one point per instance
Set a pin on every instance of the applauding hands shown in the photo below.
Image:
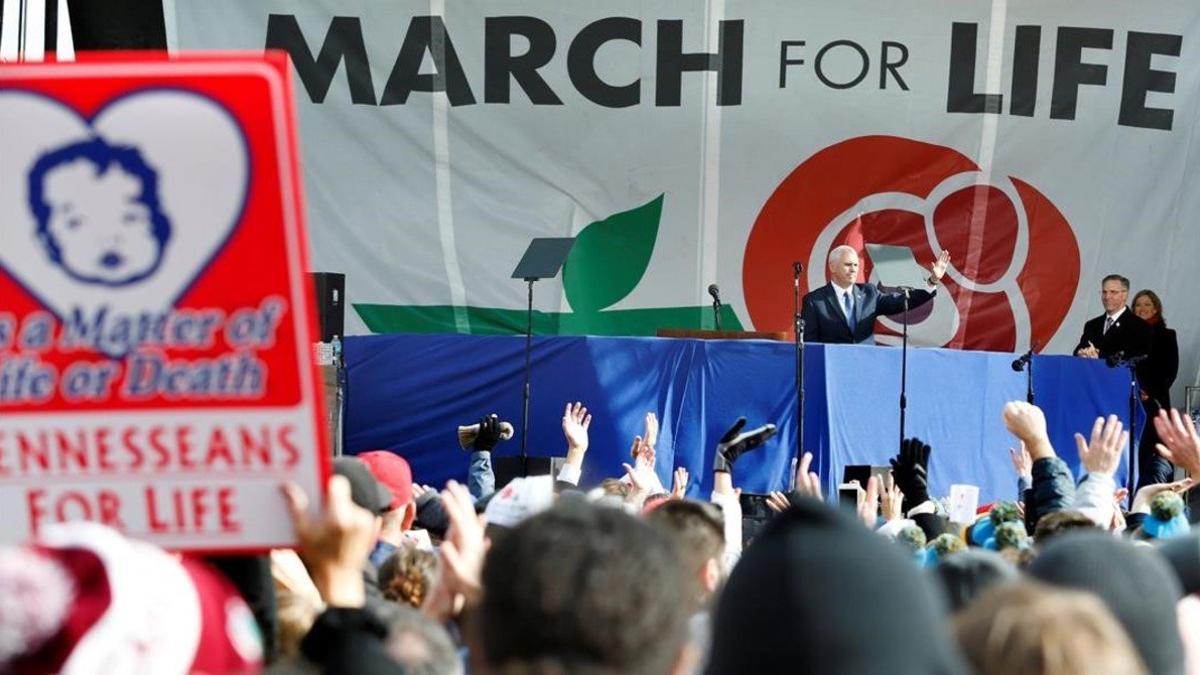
(1180, 444)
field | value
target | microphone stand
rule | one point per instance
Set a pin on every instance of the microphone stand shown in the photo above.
(1120, 360)
(528, 372)
(1133, 437)
(1029, 378)
(717, 313)
(799, 339)
(904, 365)
(1134, 397)
(1025, 363)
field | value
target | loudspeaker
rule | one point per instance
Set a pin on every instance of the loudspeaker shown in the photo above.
(331, 313)
(508, 468)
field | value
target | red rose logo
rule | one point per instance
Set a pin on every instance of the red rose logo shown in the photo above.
(890, 190)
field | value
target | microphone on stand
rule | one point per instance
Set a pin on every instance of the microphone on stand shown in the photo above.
(1019, 364)
(715, 292)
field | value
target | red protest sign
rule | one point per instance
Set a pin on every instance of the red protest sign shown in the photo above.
(155, 322)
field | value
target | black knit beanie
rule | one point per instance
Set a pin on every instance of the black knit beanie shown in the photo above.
(1134, 582)
(1183, 554)
(819, 593)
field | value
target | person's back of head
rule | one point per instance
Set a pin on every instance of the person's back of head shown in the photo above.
(818, 592)
(420, 646)
(698, 530)
(1040, 630)
(1051, 525)
(964, 576)
(408, 575)
(1133, 581)
(582, 588)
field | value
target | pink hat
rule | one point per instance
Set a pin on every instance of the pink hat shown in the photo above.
(85, 598)
(393, 471)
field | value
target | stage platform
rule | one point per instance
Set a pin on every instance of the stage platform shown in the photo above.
(410, 392)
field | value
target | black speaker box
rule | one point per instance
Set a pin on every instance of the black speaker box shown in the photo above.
(508, 468)
(330, 296)
(863, 472)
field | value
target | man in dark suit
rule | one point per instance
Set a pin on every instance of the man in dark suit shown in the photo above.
(1116, 333)
(1119, 334)
(844, 312)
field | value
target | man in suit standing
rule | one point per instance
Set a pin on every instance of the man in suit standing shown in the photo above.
(844, 312)
(1118, 332)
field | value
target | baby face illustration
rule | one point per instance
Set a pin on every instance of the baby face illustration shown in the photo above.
(97, 212)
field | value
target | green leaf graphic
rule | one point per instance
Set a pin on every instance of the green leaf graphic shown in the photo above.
(610, 256)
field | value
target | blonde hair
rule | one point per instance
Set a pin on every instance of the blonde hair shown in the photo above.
(408, 575)
(1034, 628)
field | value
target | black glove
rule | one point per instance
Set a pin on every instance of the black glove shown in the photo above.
(489, 434)
(735, 442)
(910, 469)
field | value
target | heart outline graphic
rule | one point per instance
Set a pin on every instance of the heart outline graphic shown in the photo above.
(202, 158)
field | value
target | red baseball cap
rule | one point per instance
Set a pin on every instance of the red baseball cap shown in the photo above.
(393, 471)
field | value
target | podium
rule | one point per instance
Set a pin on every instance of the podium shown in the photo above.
(693, 334)
(699, 387)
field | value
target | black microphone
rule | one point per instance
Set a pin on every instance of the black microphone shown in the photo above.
(797, 268)
(1020, 363)
(1114, 360)
(716, 296)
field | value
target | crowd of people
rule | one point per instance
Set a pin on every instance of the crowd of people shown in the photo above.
(543, 576)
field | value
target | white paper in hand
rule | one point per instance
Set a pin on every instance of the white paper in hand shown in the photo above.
(964, 500)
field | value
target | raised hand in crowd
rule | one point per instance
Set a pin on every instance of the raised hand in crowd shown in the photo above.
(679, 483)
(1146, 494)
(335, 543)
(1021, 461)
(891, 500)
(1028, 423)
(735, 442)
(777, 502)
(910, 469)
(1102, 453)
(868, 503)
(806, 484)
(575, 423)
(1180, 444)
(639, 485)
(488, 435)
(644, 461)
(464, 548)
(650, 431)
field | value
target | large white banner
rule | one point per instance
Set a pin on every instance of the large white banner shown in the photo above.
(1043, 144)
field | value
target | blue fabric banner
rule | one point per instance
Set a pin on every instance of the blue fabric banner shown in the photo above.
(410, 392)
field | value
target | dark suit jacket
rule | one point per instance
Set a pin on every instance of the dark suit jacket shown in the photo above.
(1162, 367)
(825, 322)
(1129, 335)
